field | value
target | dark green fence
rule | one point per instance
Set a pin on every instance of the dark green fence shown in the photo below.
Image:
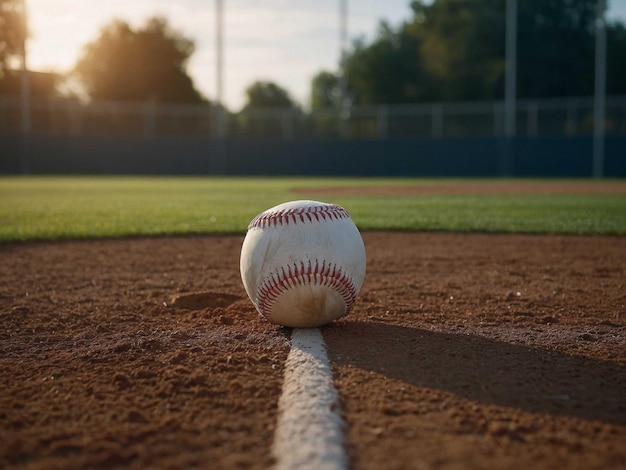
(472, 157)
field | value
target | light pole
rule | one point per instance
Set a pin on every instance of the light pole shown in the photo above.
(510, 87)
(25, 98)
(510, 78)
(599, 101)
(343, 46)
(219, 64)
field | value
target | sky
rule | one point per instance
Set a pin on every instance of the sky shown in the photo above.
(284, 41)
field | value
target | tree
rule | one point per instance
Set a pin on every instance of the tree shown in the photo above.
(262, 94)
(269, 112)
(461, 44)
(389, 70)
(12, 34)
(325, 93)
(454, 50)
(144, 64)
(556, 48)
(42, 84)
(616, 52)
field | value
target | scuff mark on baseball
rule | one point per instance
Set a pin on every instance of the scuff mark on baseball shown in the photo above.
(303, 263)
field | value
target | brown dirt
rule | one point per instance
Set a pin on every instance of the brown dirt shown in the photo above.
(485, 351)
(463, 351)
(483, 187)
(106, 363)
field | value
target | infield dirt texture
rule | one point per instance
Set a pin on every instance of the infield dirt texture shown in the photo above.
(463, 351)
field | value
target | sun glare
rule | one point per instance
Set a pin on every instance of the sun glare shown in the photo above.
(59, 29)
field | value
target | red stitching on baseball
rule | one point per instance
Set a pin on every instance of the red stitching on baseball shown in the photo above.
(299, 215)
(326, 274)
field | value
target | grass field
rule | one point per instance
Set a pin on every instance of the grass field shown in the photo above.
(45, 208)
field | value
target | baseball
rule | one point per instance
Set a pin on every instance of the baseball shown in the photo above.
(303, 263)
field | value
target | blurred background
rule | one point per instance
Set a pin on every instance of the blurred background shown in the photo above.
(422, 88)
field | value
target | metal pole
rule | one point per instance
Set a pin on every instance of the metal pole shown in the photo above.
(510, 79)
(217, 165)
(599, 103)
(219, 62)
(510, 86)
(343, 46)
(25, 99)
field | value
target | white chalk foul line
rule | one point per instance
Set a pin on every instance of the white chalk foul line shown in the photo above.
(309, 431)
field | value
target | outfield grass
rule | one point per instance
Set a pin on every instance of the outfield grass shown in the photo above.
(44, 208)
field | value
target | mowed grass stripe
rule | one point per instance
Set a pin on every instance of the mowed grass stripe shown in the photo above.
(45, 208)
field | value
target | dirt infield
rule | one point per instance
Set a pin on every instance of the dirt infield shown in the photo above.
(481, 351)
(473, 187)
(464, 351)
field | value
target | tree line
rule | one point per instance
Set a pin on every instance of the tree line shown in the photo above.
(454, 50)
(447, 50)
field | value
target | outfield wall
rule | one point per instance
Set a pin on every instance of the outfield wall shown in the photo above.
(472, 157)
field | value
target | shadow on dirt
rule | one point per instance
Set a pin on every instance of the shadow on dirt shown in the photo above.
(481, 369)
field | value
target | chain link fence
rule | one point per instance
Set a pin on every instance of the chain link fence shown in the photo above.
(535, 118)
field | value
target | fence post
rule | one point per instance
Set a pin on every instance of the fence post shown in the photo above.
(75, 114)
(149, 119)
(570, 122)
(498, 112)
(437, 121)
(26, 111)
(532, 119)
(217, 122)
(382, 120)
(599, 95)
(287, 118)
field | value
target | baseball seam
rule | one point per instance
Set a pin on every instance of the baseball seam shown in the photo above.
(299, 215)
(305, 273)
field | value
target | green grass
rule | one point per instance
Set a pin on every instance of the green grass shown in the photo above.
(44, 208)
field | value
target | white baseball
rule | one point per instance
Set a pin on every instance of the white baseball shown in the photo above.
(303, 263)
